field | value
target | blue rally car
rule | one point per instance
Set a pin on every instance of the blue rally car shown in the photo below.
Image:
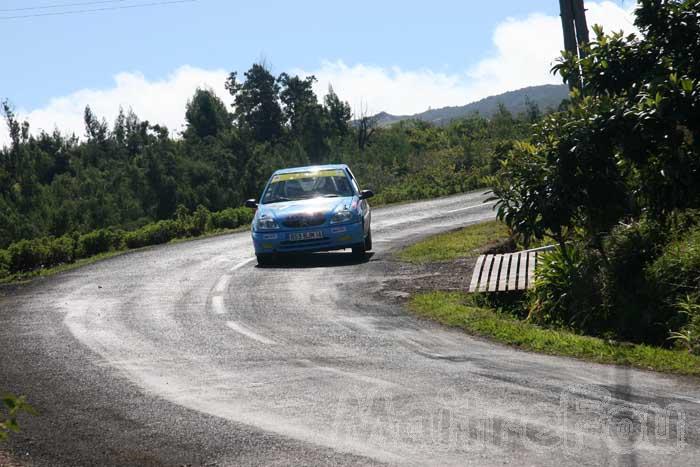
(307, 209)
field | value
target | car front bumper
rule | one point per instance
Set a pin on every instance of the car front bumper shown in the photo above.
(335, 237)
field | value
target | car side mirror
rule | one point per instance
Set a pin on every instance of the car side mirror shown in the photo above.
(251, 203)
(365, 194)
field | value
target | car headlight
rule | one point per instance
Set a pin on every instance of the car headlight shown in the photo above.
(266, 223)
(344, 215)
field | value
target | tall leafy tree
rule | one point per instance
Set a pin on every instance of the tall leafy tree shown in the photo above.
(628, 144)
(95, 129)
(305, 116)
(206, 114)
(256, 103)
(339, 113)
(300, 102)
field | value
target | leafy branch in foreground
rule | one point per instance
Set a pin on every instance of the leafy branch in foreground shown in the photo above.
(10, 408)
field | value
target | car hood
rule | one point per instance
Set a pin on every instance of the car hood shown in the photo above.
(279, 211)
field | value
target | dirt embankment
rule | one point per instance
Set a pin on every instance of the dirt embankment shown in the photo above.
(450, 275)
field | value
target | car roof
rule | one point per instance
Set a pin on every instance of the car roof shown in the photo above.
(311, 168)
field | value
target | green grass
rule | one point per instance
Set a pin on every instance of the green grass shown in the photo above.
(455, 310)
(457, 244)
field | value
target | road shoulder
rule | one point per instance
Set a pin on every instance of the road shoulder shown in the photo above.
(431, 277)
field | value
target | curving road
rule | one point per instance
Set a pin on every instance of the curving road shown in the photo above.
(189, 354)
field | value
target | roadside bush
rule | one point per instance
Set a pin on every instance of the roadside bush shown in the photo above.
(192, 224)
(682, 222)
(183, 220)
(231, 218)
(226, 219)
(689, 334)
(60, 250)
(198, 221)
(632, 309)
(98, 241)
(634, 293)
(567, 291)
(673, 276)
(245, 216)
(4, 263)
(153, 234)
(27, 255)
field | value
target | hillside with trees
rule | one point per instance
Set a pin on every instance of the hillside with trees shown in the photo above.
(547, 97)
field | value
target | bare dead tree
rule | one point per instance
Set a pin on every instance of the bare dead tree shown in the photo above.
(366, 126)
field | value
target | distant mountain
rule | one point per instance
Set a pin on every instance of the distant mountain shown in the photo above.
(547, 96)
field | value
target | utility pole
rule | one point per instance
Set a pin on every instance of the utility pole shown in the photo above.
(575, 27)
(581, 24)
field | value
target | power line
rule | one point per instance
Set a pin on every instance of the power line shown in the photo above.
(91, 10)
(61, 5)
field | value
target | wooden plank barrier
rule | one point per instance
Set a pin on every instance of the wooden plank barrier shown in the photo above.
(507, 272)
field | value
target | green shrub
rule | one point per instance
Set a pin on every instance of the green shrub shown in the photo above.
(153, 234)
(27, 255)
(192, 224)
(198, 221)
(634, 312)
(98, 241)
(682, 222)
(689, 334)
(567, 290)
(674, 275)
(4, 263)
(183, 220)
(61, 250)
(245, 216)
(226, 219)
(231, 218)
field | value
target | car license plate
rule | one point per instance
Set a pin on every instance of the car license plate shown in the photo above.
(298, 236)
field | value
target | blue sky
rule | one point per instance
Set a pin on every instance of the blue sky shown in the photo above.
(399, 56)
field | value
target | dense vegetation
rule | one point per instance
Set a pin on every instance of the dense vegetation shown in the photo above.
(133, 184)
(613, 179)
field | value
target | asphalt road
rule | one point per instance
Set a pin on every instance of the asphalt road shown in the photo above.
(190, 354)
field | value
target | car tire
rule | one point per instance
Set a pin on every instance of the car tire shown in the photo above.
(265, 259)
(358, 251)
(368, 241)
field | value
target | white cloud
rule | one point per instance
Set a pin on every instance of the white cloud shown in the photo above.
(524, 52)
(161, 101)
(391, 89)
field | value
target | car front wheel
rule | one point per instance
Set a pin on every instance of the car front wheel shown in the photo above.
(265, 259)
(362, 248)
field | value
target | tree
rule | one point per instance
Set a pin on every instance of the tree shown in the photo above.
(19, 132)
(206, 114)
(256, 103)
(532, 110)
(339, 113)
(366, 127)
(627, 147)
(300, 102)
(95, 129)
(306, 118)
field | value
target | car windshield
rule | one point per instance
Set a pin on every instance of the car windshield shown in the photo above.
(306, 185)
